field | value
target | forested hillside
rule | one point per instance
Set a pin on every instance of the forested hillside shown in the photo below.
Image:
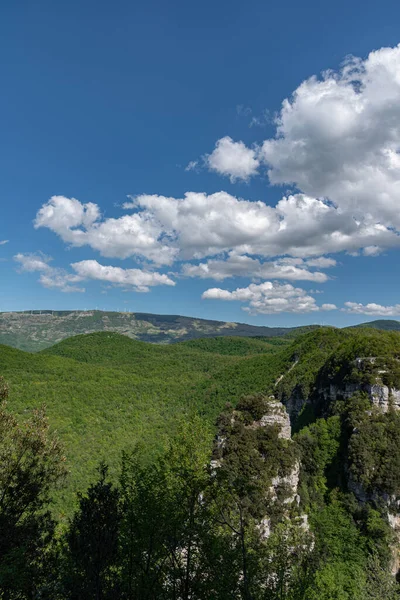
(105, 392)
(384, 324)
(226, 468)
(36, 330)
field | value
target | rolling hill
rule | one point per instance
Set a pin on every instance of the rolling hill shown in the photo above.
(384, 324)
(35, 330)
(106, 393)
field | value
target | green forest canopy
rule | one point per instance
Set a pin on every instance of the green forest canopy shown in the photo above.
(105, 392)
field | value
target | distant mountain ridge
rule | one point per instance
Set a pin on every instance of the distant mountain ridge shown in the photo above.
(40, 329)
(37, 330)
(384, 324)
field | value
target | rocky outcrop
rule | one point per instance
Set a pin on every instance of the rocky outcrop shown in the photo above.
(283, 488)
(394, 522)
(276, 415)
(370, 375)
(381, 395)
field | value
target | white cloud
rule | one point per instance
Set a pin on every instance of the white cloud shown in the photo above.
(245, 266)
(50, 277)
(33, 262)
(204, 225)
(201, 225)
(371, 309)
(2, 242)
(372, 251)
(328, 306)
(53, 277)
(269, 298)
(337, 141)
(192, 166)
(322, 262)
(163, 229)
(80, 224)
(339, 138)
(136, 279)
(233, 159)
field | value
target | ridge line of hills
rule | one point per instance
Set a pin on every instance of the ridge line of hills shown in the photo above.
(36, 330)
(106, 393)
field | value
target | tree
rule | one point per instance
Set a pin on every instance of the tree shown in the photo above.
(286, 563)
(380, 583)
(249, 458)
(31, 464)
(165, 519)
(143, 531)
(92, 543)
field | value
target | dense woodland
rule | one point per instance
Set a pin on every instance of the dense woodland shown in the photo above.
(148, 476)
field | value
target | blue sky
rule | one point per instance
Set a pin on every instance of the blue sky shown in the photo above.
(237, 207)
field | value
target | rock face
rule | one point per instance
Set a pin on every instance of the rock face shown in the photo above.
(394, 522)
(283, 488)
(295, 403)
(384, 397)
(278, 415)
(381, 395)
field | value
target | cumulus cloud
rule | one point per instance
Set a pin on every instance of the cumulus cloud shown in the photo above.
(163, 229)
(245, 266)
(337, 141)
(136, 279)
(201, 225)
(371, 309)
(338, 137)
(81, 224)
(372, 251)
(322, 262)
(233, 159)
(50, 277)
(269, 298)
(54, 277)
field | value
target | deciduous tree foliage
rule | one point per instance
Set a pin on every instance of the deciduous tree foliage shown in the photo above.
(181, 523)
(92, 543)
(31, 464)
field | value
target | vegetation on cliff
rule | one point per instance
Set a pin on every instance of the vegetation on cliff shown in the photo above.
(256, 516)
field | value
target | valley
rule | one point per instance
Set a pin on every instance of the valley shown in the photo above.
(300, 431)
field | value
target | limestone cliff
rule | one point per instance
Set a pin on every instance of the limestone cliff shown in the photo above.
(367, 375)
(281, 489)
